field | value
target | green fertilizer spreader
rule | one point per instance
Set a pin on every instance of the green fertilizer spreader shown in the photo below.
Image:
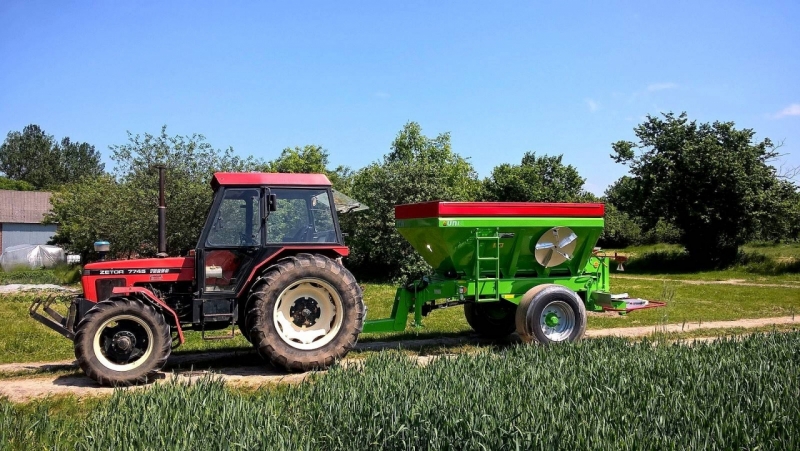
(528, 267)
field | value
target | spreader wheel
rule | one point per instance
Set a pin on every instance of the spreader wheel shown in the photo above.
(491, 319)
(307, 313)
(551, 313)
(122, 341)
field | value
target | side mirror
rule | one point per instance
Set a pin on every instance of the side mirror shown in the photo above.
(272, 202)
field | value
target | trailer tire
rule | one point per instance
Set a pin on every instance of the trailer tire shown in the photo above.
(551, 313)
(491, 319)
(307, 313)
(112, 332)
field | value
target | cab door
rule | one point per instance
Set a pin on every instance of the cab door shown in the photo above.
(232, 239)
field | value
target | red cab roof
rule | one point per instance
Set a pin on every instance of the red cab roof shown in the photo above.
(269, 179)
(438, 209)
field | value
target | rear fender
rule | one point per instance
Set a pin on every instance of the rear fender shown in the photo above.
(148, 296)
(333, 252)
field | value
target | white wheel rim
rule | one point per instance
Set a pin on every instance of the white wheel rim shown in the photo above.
(104, 344)
(566, 321)
(323, 305)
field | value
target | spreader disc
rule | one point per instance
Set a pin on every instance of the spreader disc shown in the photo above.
(555, 246)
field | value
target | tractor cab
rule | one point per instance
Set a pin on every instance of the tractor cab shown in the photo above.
(255, 220)
(256, 217)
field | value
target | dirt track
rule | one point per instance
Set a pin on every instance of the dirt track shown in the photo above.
(737, 282)
(246, 368)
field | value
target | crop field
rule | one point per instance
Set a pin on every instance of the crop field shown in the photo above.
(598, 394)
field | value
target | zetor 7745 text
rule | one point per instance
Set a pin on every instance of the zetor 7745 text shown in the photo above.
(269, 260)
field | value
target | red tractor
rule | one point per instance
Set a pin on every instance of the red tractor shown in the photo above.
(268, 260)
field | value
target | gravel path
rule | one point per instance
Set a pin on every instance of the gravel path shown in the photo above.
(22, 287)
(246, 368)
(737, 282)
(647, 330)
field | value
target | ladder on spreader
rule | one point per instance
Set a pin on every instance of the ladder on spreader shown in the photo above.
(479, 260)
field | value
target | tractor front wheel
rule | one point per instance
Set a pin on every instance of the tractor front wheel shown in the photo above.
(122, 341)
(551, 313)
(307, 312)
(491, 319)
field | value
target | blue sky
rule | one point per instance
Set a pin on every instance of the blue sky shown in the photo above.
(502, 77)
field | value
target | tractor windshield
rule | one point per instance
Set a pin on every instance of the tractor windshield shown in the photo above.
(301, 216)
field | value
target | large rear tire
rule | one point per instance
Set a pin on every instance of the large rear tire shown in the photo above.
(551, 313)
(122, 341)
(306, 313)
(491, 319)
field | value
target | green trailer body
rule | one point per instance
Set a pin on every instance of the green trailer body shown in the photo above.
(486, 252)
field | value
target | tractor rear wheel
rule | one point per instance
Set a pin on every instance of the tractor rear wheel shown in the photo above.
(551, 313)
(122, 341)
(242, 321)
(307, 312)
(491, 319)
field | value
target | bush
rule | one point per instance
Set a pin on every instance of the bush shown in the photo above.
(68, 274)
(620, 230)
(663, 232)
(759, 263)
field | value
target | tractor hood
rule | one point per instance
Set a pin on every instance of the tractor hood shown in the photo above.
(139, 266)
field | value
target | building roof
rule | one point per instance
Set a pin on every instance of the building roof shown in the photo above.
(28, 207)
(267, 179)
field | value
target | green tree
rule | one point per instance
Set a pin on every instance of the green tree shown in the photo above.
(625, 196)
(15, 185)
(626, 222)
(416, 169)
(123, 209)
(310, 159)
(535, 179)
(76, 160)
(35, 157)
(100, 208)
(712, 181)
(620, 230)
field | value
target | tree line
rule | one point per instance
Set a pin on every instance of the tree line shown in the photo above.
(708, 186)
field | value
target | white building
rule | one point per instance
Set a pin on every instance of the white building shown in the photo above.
(21, 215)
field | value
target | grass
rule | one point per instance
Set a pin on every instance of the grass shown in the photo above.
(25, 340)
(598, 394)
(60, 275)
(700, 302)
(755, 262)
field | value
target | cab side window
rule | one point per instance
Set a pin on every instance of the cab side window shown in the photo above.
(237, 221)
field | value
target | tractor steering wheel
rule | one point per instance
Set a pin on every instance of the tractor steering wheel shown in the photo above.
(299, 235)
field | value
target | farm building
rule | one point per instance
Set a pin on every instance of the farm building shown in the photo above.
(21, 215)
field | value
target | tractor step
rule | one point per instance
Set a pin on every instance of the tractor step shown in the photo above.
(228, 314)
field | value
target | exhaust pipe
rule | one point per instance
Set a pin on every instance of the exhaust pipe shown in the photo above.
(162, 214)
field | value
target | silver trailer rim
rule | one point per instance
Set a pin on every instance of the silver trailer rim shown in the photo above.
(308, 314)
(557, 321)
(123, 343)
